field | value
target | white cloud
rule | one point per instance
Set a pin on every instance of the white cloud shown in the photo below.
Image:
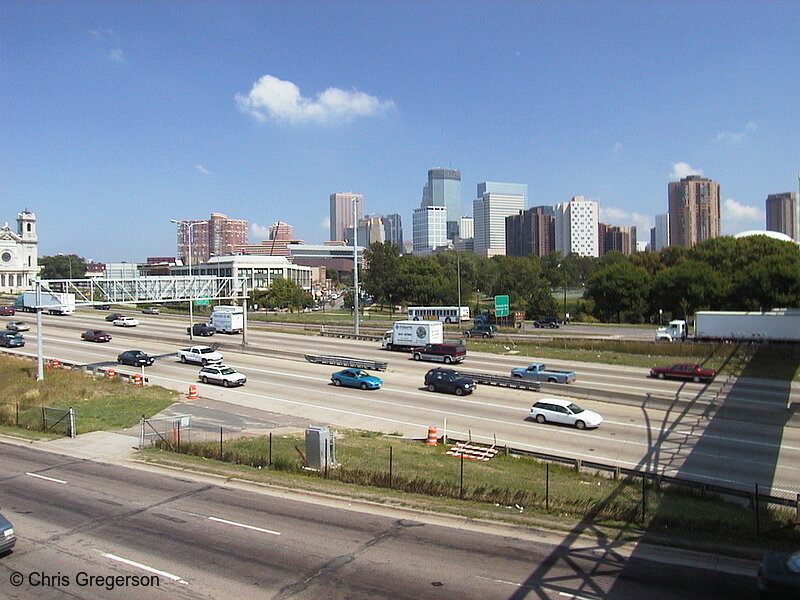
(740, 212)
(281, 100)
(735, 137)
(682, 169)
(617, 149)
(617, 216)
(202, 169)
(259, 232)
(110, 40)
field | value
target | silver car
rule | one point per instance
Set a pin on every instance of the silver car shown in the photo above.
(221, 375)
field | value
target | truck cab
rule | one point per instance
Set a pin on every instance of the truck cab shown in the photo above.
(674, 331)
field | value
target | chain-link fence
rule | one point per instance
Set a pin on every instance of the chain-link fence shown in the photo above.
(39, 418)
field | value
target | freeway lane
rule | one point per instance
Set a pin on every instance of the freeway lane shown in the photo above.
(202, 540)
(679, 442)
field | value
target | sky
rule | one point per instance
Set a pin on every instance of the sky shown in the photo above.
(116, 117)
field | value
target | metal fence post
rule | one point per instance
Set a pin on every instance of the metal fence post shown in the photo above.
(547, 486)
(220, 443)
(758, 516)
(72, 432)
(17, 414)
(44, 422)
(644, 496)
(270, 448)
(390, 467)
(461, 487)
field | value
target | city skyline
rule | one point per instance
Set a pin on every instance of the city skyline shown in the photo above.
(136, 109)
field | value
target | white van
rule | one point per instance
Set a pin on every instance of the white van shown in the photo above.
(228, 319)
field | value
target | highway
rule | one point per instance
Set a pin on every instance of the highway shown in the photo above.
(93, 530)
(694, 441)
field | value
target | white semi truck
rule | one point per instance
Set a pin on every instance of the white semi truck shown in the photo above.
(405, 335)
(55, 303)
(779, 325)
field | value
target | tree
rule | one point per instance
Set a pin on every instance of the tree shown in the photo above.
(620, 292)
(62, 266)
(420, 280)
(283, 293)
(688, 287)
(380, 276)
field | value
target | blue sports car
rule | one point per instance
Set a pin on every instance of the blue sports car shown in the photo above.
(356, 378)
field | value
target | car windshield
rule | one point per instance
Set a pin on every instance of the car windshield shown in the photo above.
(793, 562)
(575, 408)
(227, 371)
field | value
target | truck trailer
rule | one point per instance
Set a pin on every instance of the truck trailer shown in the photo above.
(405, 335)
(55, 303)
(779, 325)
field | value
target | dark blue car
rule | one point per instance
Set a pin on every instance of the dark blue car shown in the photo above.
(356, 378)
(7, 537)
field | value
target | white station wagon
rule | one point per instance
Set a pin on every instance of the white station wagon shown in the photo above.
(556, 410)
(125, 322)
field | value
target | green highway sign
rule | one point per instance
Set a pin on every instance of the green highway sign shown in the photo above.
(501, 306)
(204, 302)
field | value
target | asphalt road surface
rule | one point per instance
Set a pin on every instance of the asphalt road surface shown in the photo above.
(694, 440)
(92, 530)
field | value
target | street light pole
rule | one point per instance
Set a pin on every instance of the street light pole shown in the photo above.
(190, 225)
(355, 266)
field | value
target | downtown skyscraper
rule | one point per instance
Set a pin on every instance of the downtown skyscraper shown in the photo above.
(494, 203)
(341, 213)
(444, 189)
(694, 212)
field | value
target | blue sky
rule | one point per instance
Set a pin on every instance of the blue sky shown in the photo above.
(118, 116)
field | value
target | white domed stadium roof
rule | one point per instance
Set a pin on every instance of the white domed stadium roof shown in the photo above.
(773, 234)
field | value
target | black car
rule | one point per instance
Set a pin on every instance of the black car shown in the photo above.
(481, 330)
(114, 316)
(102, 307)
(551, 322)
(779, 575)
(204, 329)
(135, 358)
(448, 380)
(7, 536)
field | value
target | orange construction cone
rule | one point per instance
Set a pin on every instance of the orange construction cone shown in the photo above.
(192, 395)
(432, 436)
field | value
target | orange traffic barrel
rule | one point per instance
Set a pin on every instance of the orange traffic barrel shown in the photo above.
(432, 436)
(111, 373)
(137, 379)
(56, 363)
(192, 395)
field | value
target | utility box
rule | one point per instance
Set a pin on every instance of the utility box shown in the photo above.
(320, 447)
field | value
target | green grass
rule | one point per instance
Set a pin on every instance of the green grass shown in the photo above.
(425, 477)
(99, 403)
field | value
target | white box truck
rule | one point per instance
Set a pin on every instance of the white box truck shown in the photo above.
(55, 303)
(228, 319)
(405, 335)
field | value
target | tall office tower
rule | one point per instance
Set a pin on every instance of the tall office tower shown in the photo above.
(430, 229)
(466, 229)
(531, 231)
(370, 231)
(576, 227)
(783, 215)
(217, 236)
(281, 231)
(614, 237)
(393, 230)
(494, 203)
(341, 213)
(444, 189)
(693, 210)
(659, 235)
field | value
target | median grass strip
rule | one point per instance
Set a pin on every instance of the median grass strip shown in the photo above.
(511, 487)
(99, 403)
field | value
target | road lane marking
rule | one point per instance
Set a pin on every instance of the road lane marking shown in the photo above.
(61, 481)
(235, 524)
(132, 563)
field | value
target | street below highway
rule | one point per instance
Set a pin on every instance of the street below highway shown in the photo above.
(693, 439)
(96, 530)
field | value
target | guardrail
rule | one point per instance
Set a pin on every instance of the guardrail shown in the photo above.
(502, 381)
(351, 336)
(346, 361)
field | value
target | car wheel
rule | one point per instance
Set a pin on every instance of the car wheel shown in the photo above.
(485, 335)
(552, 325)
(580, 424)
(225, 383)
(540, 419)
(696, 379)
(660, 376)
(183, 359)
(431, 387)
(337, 382)
(390, 346)
(447, 320)
(363, 386)
(448, 360)
(467, 334)
(119, 360)
(204, 379)
(516, 376)
(459, 391)
(552, 380)
(417, 357)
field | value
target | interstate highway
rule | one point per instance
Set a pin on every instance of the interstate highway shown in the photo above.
(730, 452)
(204, 538)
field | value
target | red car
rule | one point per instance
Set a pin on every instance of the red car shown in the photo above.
(684, 371)
(95, 335)
(7, 311)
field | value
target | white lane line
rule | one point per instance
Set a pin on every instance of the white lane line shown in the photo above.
(235, 524)
(574, 596)
(131, 563)
(526, 586)
(47, 478)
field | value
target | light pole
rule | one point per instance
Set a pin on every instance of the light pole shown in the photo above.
(458, 271)
(355, 265)
(190, 225)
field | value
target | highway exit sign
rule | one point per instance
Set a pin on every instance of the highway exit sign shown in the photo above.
(501, 306)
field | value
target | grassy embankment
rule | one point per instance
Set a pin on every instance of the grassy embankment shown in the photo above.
(507, 488)
(99, 403)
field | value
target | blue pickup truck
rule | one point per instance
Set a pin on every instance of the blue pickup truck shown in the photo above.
(538, 372)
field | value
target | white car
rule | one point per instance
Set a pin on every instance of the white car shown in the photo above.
(125, 322)
(556, 410)
(221, 375)
(18, 326)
